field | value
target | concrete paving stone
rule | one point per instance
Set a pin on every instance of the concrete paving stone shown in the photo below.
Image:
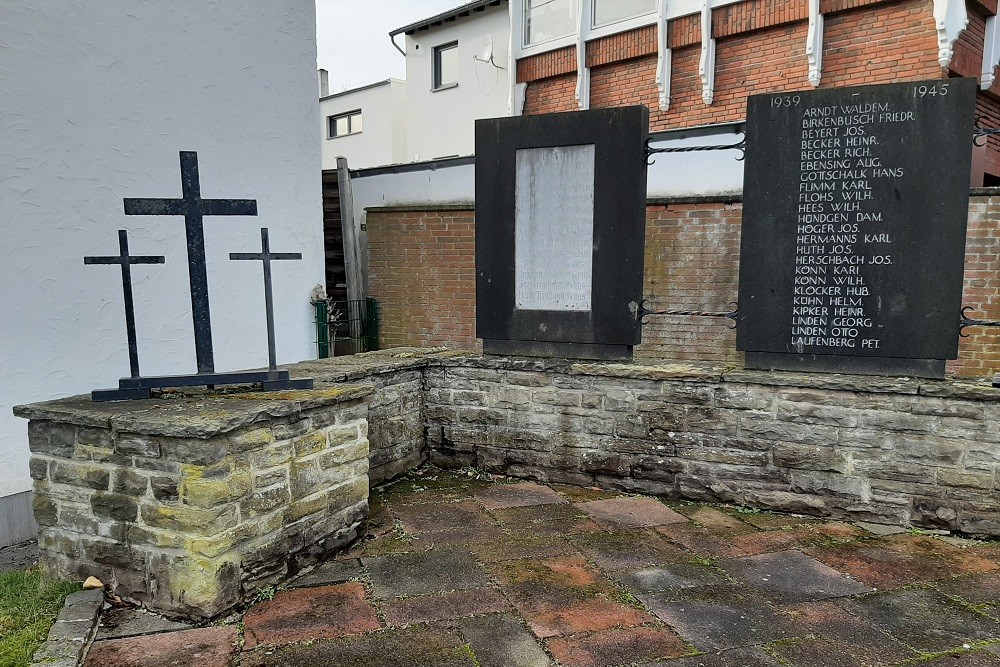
(861, 639)
(628, 550)
(304, 614)
(715, 520)
(630, 512)
(699, 540)
(773, 520)
(980, 658)
(204, 647)
(923, 619)
(737, 657)
(512, 516)
(901, 560)
(720, 620)
(422, 572)
(119, 622)
(794, 537)
(501, 640)
(449, 606)
(511, 547)
(329, 573)
(502, 496)
(549, 618)
(19, 556)
(464, 537)
(792, 576)
(818, 653)
(880, 529)
(582, 494)
(674, 577)
(615, 647)
(441, 516)
(977, 589)
(420, 645)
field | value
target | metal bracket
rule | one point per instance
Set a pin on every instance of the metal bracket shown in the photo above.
(968, 322)
(732, 315)
(982, 133)
(741, 147)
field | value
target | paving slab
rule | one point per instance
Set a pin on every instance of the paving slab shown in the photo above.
(441, 516)
(502, 496)
(630, 512)
(811, 652)
(449, 606)
(629, 549)
(305, 614)
(722, 621)
(119, 622)
(423, 645)
(517, 547)
(978, 589)
(880, 529)
(417, 573)
(737, 657)
(981, 658)
(716, 521)
(792, 576)
(863, 641)
(774, 520)
(923, 619)
(615, 647)
(675, 577)
(330, 573)
(901, 560)
(204, 647)
(502, 640)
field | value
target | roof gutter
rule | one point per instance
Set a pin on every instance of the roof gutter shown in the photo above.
(392, 38)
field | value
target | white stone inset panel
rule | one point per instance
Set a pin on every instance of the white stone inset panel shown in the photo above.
(554, 228)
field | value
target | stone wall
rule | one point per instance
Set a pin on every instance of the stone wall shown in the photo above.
(186, 504)
(901, 451)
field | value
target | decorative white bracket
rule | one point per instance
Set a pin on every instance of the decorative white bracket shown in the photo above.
(706, 68)
(663, 56)
(582, 71)
(991, 53)
(814, 43)
(950, 18)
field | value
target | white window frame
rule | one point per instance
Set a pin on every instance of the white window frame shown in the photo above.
(522, 50)
(625, 24)
(331, 123)
(436, 52)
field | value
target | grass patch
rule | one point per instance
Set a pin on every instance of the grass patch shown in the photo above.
(28, 607)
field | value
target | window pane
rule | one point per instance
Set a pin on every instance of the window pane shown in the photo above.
(355, 123)
(548, 19)
(445, 65)
(343, 126)
(609, 11)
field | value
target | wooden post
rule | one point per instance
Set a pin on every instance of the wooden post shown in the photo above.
(352, 251)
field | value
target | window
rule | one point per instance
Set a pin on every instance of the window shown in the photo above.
(612, 11)
(344, 124)
(445, 66)
(548, 19)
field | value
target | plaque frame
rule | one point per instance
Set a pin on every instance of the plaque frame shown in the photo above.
(613, 325)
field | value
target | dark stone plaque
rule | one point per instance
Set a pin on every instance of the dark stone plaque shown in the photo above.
(560, 232)
(854, 224)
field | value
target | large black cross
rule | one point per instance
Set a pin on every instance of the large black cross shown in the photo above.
(126, 261)
(266, 256)
(194, 209)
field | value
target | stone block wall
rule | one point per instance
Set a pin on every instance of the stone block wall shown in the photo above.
(187, 504)
(901, 451)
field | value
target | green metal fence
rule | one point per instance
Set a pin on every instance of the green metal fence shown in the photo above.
(346, 327)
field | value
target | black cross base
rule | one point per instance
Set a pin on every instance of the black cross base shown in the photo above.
(140, 388)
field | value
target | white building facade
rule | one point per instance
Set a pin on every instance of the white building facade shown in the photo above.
(149, 80)
(367, 125)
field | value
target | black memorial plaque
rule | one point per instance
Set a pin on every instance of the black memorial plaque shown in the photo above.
(569, 281)
(854, 224)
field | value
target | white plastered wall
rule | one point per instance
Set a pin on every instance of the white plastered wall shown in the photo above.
(442, 123)
(96, 101)
(382, 140)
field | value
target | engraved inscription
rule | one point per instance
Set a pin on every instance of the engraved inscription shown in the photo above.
(554, 228)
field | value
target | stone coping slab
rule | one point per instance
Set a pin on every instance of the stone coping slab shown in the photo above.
(199, 414)
(72, 632)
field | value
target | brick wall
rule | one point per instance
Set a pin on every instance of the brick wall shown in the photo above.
(421, 267)
(422, 273)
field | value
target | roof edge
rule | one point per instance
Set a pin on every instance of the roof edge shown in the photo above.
(450, 15)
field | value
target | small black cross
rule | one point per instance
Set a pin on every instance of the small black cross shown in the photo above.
(194, 208)
(266, 256)
(126, 261)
